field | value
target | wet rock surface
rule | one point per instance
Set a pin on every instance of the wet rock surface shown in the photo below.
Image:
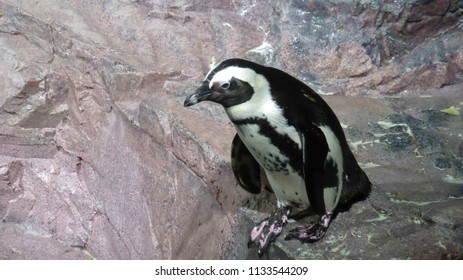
(99, 159)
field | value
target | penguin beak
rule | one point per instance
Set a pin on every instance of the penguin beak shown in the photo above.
(201, 94)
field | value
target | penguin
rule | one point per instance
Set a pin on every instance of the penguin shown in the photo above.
(286, 129)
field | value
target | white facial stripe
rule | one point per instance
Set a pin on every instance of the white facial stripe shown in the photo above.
(261, 103)
(225, 75)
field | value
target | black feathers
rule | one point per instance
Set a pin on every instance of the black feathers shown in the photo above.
(245, 167)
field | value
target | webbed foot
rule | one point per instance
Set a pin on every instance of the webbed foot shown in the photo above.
(311, 232)
(265, 232)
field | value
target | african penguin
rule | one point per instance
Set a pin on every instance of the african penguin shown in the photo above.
(286, 129)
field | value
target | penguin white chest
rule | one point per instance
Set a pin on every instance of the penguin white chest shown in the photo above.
(265, 131)
(286, 182)
(263, 149)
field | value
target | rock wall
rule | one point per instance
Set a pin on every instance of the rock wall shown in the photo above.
(98, 157)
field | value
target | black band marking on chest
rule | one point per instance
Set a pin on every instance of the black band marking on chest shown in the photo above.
(283, 142)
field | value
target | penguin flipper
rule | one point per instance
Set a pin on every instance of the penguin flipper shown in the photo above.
(313, 170)
(245, 168)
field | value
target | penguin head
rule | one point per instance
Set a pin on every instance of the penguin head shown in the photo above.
(230, 83)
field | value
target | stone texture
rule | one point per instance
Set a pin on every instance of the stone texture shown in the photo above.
(99, 159)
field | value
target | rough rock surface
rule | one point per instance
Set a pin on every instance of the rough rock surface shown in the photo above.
(99, 159)
(410, 151)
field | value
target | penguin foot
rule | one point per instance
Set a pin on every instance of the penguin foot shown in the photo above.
(265, 232)
(311, 232)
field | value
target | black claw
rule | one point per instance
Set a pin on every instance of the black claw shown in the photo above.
(261, 251)
(311, 232)
(291, 235)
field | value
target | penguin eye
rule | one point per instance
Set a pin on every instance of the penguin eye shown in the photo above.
(231, 85)
(225, 85)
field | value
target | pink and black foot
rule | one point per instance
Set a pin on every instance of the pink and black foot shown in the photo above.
(311, 232)
(265, 232)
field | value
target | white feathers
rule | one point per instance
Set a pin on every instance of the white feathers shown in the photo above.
(288, 189)
(261, 103)
(287, 185)
(245, 74)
